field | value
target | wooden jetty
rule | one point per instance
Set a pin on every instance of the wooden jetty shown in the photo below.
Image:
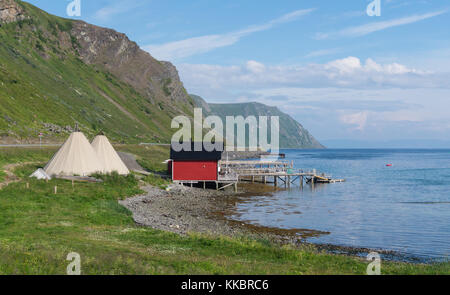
(276, 172)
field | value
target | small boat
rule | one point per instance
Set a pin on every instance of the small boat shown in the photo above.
(389, 165)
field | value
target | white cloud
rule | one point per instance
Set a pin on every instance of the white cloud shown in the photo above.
(342, 98)
(255, 67)
(197, 45)
(322, 52)
(416, 115)
(369, 28)
(119, 7)
(349, 72)
(353, 64)
(359, 119)
(345, 65)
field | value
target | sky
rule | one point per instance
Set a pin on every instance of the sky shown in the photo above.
(340, 72)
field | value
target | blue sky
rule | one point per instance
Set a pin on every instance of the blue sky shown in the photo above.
(338, 71)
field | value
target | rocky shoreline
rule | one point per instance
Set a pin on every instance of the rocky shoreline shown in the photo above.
(182, 210)
(185, 210)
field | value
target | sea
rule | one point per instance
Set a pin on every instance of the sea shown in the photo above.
(403, 208)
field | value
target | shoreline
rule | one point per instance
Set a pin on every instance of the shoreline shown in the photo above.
(183, 210)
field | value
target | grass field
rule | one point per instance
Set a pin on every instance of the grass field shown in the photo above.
(38, 229)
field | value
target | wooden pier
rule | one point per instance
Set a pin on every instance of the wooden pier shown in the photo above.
(280, 173)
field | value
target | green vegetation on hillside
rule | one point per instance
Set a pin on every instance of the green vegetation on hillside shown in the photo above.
(2, 176)
(38, 229)
(44, 81)
(56, 72)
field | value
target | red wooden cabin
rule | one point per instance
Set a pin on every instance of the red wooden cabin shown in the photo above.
(194, 166)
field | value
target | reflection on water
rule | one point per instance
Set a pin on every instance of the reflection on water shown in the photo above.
(405, 208)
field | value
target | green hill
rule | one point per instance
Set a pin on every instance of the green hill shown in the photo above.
(57, 72)
(292, 133)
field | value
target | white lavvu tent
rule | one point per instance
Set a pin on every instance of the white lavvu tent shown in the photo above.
(40, 174)
(75, 158)
(108, 156)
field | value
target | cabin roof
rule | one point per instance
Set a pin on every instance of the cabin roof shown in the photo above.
(194, 155)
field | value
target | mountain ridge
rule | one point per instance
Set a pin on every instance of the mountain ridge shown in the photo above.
(292, 133)
(56, 72)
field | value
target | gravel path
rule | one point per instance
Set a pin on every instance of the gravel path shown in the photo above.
(130, 161)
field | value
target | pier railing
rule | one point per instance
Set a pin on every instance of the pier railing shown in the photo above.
(261, 171)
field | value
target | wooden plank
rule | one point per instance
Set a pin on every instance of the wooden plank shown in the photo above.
(225, 186)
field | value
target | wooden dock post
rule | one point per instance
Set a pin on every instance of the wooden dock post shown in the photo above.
(289, 181)
(235, 187)
(301, 182)
(275, 180)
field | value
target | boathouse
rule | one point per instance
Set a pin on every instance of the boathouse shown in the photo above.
(194, 166)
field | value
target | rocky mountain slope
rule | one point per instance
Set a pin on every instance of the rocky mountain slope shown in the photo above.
(292, 133)
(10, 11)
(56, 72)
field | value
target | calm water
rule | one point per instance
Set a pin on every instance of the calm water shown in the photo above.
(405, 208)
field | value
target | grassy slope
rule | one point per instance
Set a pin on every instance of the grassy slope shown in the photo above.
(38, 229)
(2, 176)
(42, 81)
